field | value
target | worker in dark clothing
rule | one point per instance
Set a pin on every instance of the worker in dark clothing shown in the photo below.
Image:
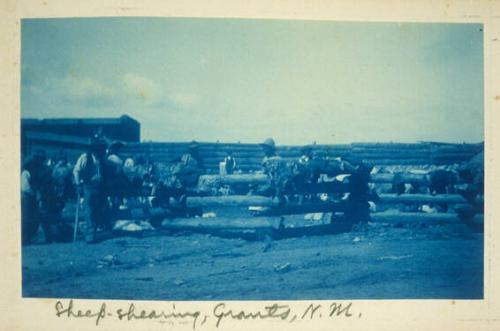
(304, 173)
(180, 179)
(61, 190)
(88, 175)
(472, 173)
(190, 167)
(115, 181)
(442, 181)
(50, 204)
(31, 181)
(358, 209)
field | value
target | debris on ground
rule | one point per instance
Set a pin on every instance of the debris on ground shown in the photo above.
(394, 257)
(266, 247)
(282, 267)
(108, 261)
(429, 209)
(178, 282)
(132, 226)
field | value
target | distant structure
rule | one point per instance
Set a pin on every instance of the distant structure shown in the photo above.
(71, 135)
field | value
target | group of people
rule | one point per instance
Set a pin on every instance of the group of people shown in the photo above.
(297, 180)
(100, 182)
(45, 187)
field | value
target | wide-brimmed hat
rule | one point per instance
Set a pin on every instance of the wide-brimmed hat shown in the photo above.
(193, 145)
(115, 145)
(268, 143)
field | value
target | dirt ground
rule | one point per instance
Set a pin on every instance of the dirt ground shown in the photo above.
(377, 262)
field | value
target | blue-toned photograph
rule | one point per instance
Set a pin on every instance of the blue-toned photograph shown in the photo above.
(251, 159)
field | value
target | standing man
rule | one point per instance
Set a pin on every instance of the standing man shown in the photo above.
(191, 166)
(31, 175)
(89, 180)
(229, 163)
(305, 173)
(115, 181)
(113, 151)
(278, 171)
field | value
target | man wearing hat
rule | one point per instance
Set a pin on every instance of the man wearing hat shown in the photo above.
(112, 153)
(115, 180)
(277, 170)
(229, 163)
(191, 166)
(88, 176)
(182, 176)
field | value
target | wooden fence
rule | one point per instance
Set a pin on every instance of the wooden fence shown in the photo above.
(263, 225)
(249, 156)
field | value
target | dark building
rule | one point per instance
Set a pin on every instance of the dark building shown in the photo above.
(123, 128)
(69, 136)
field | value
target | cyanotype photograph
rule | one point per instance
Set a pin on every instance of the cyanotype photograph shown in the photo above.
(251, 159)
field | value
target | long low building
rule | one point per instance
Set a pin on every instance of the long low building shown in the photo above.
(71, 135)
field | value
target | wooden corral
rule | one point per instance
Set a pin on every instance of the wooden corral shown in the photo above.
(261, 220)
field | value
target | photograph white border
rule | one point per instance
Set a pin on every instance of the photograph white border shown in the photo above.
(39, 314)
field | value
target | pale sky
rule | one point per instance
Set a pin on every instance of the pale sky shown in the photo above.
(246, 80)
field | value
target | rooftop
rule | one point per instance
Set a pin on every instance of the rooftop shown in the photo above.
(76, 121)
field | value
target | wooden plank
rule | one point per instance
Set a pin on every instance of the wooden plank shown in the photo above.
(446, 161)
(455, 152)
(295, 156)
(234, 179)
(317, 146)
(404, 177)
(222, 154)
(230, 201)
(221, 223)
(305, 208)
(458, 148)
(412, 161)
(392, 157)
(329, 187)
(454, 158)
(400, 217)
(216, 160)
(213, 181)
(375, 154)
(376, 150)
(263, 179)
(422, 198)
